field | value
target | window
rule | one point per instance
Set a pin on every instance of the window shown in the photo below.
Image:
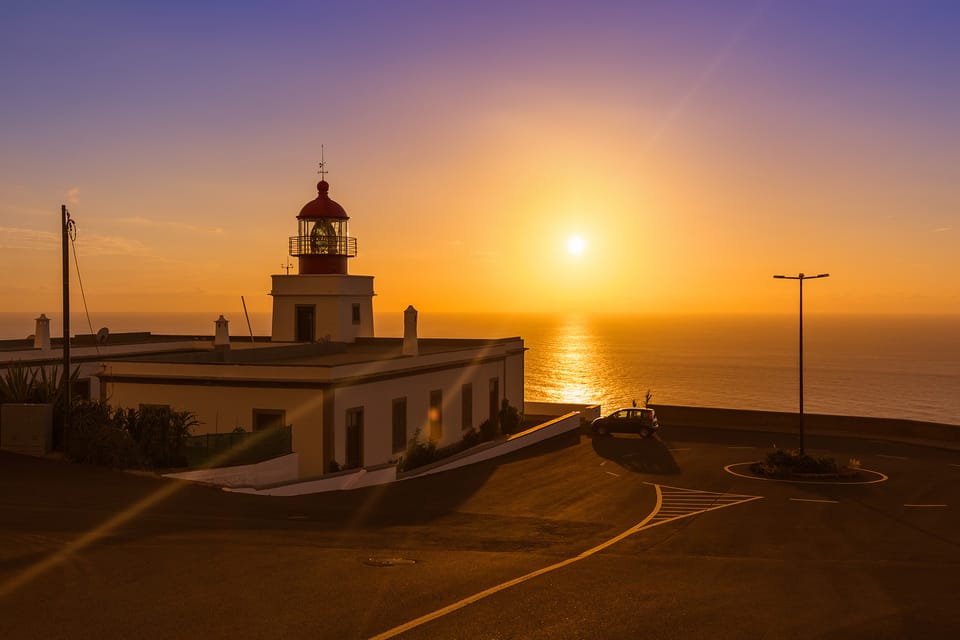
(399, 424)
(354, 438)
(466, 406)
(81, 388)
(356, 313)
(268, 419)
(435, 416)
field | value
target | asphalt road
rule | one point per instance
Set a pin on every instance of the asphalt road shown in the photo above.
(618, 537)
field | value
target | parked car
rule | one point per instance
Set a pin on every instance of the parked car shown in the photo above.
(642, 421)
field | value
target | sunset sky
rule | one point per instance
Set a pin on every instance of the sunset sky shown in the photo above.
(664, 157)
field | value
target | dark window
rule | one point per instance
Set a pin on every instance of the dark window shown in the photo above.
(268, 419)
(306, 326)
(81, 388)
(356, 313)
(354, 438)
(399, 424)
(466, 406)
(436, 415)
(495, 400)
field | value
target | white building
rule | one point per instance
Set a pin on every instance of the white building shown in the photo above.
(351, 398)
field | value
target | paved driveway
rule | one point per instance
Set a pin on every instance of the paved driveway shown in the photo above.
(575, 538)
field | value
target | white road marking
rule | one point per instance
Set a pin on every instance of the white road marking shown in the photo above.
(951, 464)
(925, 505)
(812, 500)
(883, 455)
(716, 500)
(616, 475)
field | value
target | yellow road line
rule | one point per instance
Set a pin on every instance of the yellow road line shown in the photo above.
(640, 526)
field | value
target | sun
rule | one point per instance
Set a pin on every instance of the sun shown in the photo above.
(576, 245)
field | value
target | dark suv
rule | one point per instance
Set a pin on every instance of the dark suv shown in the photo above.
(642, 421)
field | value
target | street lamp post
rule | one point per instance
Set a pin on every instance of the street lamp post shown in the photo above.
(801, 277)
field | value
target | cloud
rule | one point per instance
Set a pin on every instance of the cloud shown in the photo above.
(73, 195)
(17, 238)
(98, 245)
(170, 224)
(87, 244)
(943, 229)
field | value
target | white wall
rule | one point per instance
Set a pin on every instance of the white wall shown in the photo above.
(224, 395)
(377, 402)
(333, 295)
(221, 408)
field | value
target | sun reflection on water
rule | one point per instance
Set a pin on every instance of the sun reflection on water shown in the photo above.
(572, 376)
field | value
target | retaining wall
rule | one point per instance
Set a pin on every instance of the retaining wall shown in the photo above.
(907, 431)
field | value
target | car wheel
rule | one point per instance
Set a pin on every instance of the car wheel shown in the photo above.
(645, 433)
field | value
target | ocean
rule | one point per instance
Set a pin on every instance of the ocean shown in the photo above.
(879, 366)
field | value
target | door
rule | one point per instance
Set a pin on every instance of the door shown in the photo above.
(306, 325)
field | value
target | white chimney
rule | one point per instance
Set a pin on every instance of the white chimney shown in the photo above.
(222, 338)
(410, 345)
(41, 336)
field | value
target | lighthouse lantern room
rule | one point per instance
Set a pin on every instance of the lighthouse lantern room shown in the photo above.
(322, 302)
(323, 243)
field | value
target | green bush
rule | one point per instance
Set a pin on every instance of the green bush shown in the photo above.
(17, 384)
(419, 452)
(793, 462)
(471, 438)
(488, 430)
(510, 417)
(153, 437)
(95, 437)
(159, 433)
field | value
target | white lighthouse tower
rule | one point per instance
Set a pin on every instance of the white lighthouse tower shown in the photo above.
(322, 302)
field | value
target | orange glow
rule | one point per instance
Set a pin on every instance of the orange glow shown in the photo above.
(691, 167)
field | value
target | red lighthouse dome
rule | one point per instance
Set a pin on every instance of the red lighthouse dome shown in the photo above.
(323, 243)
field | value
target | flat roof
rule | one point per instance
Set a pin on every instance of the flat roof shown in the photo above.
(329, 354)
(144, 346)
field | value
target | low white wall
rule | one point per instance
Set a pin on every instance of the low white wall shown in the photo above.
(246, 479)
(587, 411)
(274, 471)
(27, 428)
(342, 481)
(555, 427)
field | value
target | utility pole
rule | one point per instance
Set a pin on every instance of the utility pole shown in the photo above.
(800, 277)
(65, 226)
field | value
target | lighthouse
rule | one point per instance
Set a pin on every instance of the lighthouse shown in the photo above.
(322, 302)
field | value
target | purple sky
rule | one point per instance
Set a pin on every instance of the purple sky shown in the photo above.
(696, 148)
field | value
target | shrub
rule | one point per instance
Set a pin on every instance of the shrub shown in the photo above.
(159, 433)
(96, 437)
(17, 384)
(418, 453)
(119, 437)
(510, 417)
(471, 438)
(488, 430)
(788, 462)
